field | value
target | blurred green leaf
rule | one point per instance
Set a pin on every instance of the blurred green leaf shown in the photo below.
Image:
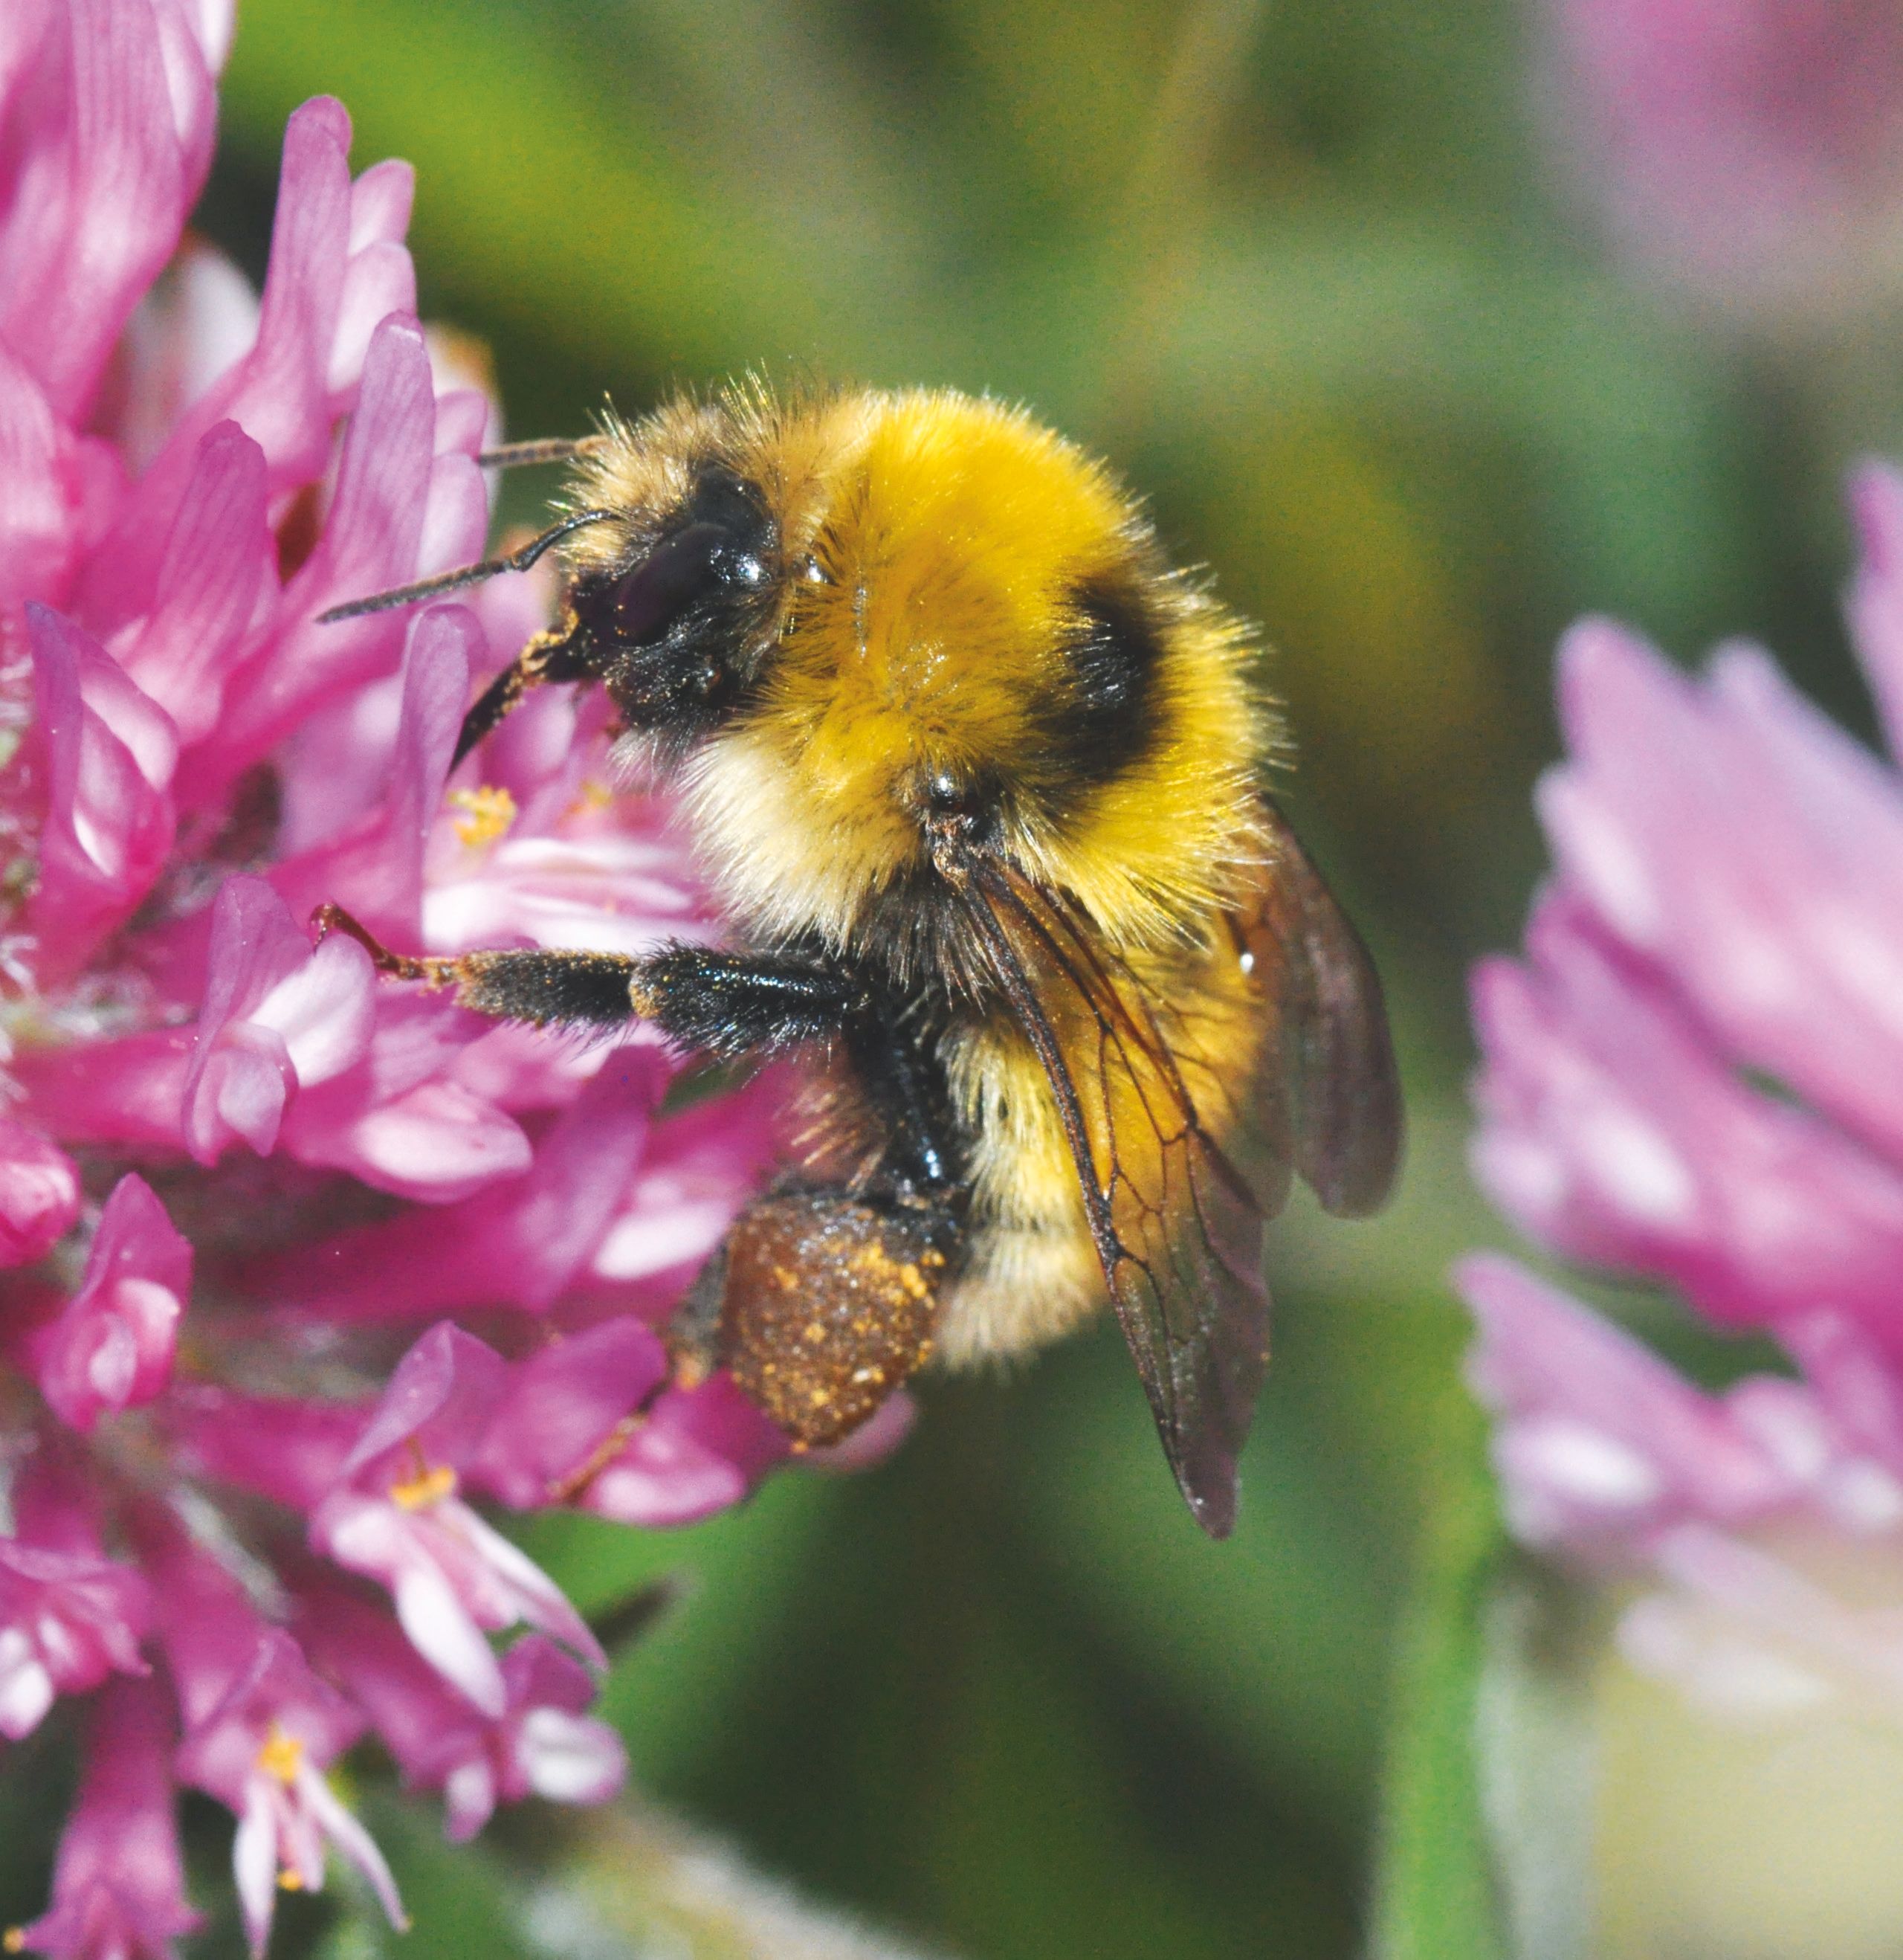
(576, 226)
(1276, 1640)
(459, 1897)
(33, 1795)
(1434, 1887)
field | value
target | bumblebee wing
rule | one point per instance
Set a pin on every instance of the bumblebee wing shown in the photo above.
(1336, 1095)
(1177, 1224)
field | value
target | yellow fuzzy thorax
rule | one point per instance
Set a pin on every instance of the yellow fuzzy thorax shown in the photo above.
(929, 544)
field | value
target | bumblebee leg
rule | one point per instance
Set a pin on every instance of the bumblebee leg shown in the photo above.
(720, 1004)
(729, 1005)
(821, 1303)
(549, 989)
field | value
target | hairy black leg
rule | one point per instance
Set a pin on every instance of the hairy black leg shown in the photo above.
(549, 989)
(905, 1084)
(722, 1004)
(729, 1005)
(726, 1005)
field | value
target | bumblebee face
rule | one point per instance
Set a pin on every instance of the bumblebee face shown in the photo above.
(877, 632)
(666, 623)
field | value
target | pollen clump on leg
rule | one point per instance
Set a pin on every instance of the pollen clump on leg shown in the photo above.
(820, 1356)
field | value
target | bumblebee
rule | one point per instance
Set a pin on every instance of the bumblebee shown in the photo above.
(979, 781)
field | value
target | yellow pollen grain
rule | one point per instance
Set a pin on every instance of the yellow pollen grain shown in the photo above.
(13, 1939)
(591, 795)
(490, 812)
(289, 1881)
(282, 1755)
(426, 1488)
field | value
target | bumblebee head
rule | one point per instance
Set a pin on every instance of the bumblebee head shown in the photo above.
(876, 634)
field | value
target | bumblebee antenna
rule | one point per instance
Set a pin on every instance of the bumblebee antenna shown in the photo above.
(551, 449)
(470, 574)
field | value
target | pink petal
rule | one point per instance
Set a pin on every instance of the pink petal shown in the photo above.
(440, 1398)
(440, 1628)
(701, 1450)
(289, 1451)
(369, 544)
(102, 190)
(61, 489)
(437, 1143)
(39, 1193)
(374, 867)
(119, 1884)
(218, 562)
(239, 1079)
(1614, 1131)
(1752, 850)
(355, 1843)
(254, 1867)
(112, 1347)
(570, 1758)
(277, 393)
(519, 1243)
(108, 822)
(1596, 1437)
(561, 1404)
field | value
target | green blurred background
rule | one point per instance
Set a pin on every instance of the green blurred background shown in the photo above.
(1303, 272)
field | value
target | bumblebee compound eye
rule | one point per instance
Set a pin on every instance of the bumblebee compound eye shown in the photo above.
(669, 632)
(690, 565)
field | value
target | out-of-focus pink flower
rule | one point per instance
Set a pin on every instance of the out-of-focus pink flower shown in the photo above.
(1761, 1532)
(232, 1160)
(1750, 149)
(119, 1888)
(70, 1617)
(1694, 1072)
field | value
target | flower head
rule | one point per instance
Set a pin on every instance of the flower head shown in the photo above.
(245, 1189)
(1694, 1072)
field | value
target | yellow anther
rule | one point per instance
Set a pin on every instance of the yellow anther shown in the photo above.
(490, 812)
(14, 1940)
(591, 795)
(289, 1881)
(282, 1755)
(426, 1488)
